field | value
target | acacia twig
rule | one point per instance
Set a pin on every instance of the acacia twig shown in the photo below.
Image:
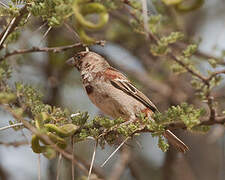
(46, 49)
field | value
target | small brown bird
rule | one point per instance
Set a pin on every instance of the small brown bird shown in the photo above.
(113, 93)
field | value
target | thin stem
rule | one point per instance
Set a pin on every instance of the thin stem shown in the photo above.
(145, 15)
(7, 31)
(11, 126)
(92, 160)
(4, 5)
(39, 167)
(72, 166)
(215, 74)
(14, 144)
(71, 30)
(58, 166)
(111, 155)
(45, 34)
(46, 49)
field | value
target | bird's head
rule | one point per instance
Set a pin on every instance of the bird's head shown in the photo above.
(86, 60)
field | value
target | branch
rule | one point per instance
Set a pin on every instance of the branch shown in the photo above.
(215, 74)
(47, 49)
(191, 71)
(217, 120)
(15, 144)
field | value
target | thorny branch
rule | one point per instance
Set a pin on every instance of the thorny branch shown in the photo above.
(47, 49)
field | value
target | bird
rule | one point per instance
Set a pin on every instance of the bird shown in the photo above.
(114, 94)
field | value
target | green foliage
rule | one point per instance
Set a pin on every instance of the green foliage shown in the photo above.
(213, 62)
(80, 118)
(163, 145)
(57, 11)
(6, 97)
(54, 11)
(5, 71)
(203, 90)
(185, 60)
(190, 50)
(162, 45)
(11, 11)
(154, 22)
(182, 113)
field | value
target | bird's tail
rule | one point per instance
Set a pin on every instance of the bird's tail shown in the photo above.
(175, 141)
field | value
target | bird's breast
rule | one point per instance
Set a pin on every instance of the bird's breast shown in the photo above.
(113, 102)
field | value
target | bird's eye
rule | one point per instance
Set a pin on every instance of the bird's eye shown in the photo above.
(79, 57)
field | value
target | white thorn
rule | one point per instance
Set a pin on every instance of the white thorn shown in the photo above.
(74, 115)
(114, 152)
(10, 126)
(92, 160)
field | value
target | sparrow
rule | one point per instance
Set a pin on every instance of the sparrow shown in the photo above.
(114, 94)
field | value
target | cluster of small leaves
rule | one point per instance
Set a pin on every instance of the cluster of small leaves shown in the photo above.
(213, 62)
(10, 11)
(190, 50)
(156, 128)
(54, 11)
(6, 95)
(162, 46)
(129, 129)
(202, 89)
(96, 127)
(80, 119)
(182, 113)
(185, 59)
(163, 145)
(154, 22)
(5, 71)
(13, 37)
(30, 98)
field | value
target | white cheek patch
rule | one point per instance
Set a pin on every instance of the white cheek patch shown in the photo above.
(87, 75)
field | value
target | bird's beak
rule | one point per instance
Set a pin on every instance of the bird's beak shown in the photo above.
(70, 61)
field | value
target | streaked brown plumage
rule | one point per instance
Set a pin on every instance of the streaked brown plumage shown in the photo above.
(113, 93)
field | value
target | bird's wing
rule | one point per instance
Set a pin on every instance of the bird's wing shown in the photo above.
(125, 85)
